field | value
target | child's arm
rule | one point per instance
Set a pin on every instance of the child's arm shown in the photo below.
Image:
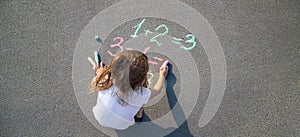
(98, 71)
(160, 82)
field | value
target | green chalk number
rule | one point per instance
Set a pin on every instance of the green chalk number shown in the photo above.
(138, 26)
(191, 41)
(154, 39)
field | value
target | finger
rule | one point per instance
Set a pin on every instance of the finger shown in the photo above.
(101, 64)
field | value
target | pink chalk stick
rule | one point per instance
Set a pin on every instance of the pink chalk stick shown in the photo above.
(164, 64)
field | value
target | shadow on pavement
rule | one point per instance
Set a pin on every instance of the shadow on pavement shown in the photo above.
(150, 129)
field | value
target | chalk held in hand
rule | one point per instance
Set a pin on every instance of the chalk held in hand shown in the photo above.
(164, 64)
(91, 61)
(98, 39)
(97, 57)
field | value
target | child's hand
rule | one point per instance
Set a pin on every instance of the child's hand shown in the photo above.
(99, 70)
(163, 71)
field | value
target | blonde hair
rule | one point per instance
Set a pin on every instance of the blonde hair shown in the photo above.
(127, 71)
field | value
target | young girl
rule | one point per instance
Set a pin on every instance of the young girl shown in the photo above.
(122, 89)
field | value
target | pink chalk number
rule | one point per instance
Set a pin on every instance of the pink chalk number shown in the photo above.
(121, 40)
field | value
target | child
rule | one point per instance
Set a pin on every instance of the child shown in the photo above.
(123, 89)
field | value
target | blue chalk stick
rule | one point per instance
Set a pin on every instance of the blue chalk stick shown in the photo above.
(98, 39)
(97, 57)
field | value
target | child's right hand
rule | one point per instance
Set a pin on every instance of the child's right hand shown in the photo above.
(163, 71)
(164, 68)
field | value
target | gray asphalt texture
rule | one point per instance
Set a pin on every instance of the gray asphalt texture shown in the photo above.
(260, 40)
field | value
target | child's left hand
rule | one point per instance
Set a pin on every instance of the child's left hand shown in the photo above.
(100, 69)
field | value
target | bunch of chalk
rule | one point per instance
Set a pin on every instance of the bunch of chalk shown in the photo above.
(97, 59)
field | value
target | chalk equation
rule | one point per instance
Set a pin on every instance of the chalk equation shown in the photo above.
(190, 42)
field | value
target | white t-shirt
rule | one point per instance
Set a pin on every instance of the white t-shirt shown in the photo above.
(110, 113)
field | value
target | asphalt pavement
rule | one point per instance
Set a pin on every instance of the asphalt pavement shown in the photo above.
(260, 41)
